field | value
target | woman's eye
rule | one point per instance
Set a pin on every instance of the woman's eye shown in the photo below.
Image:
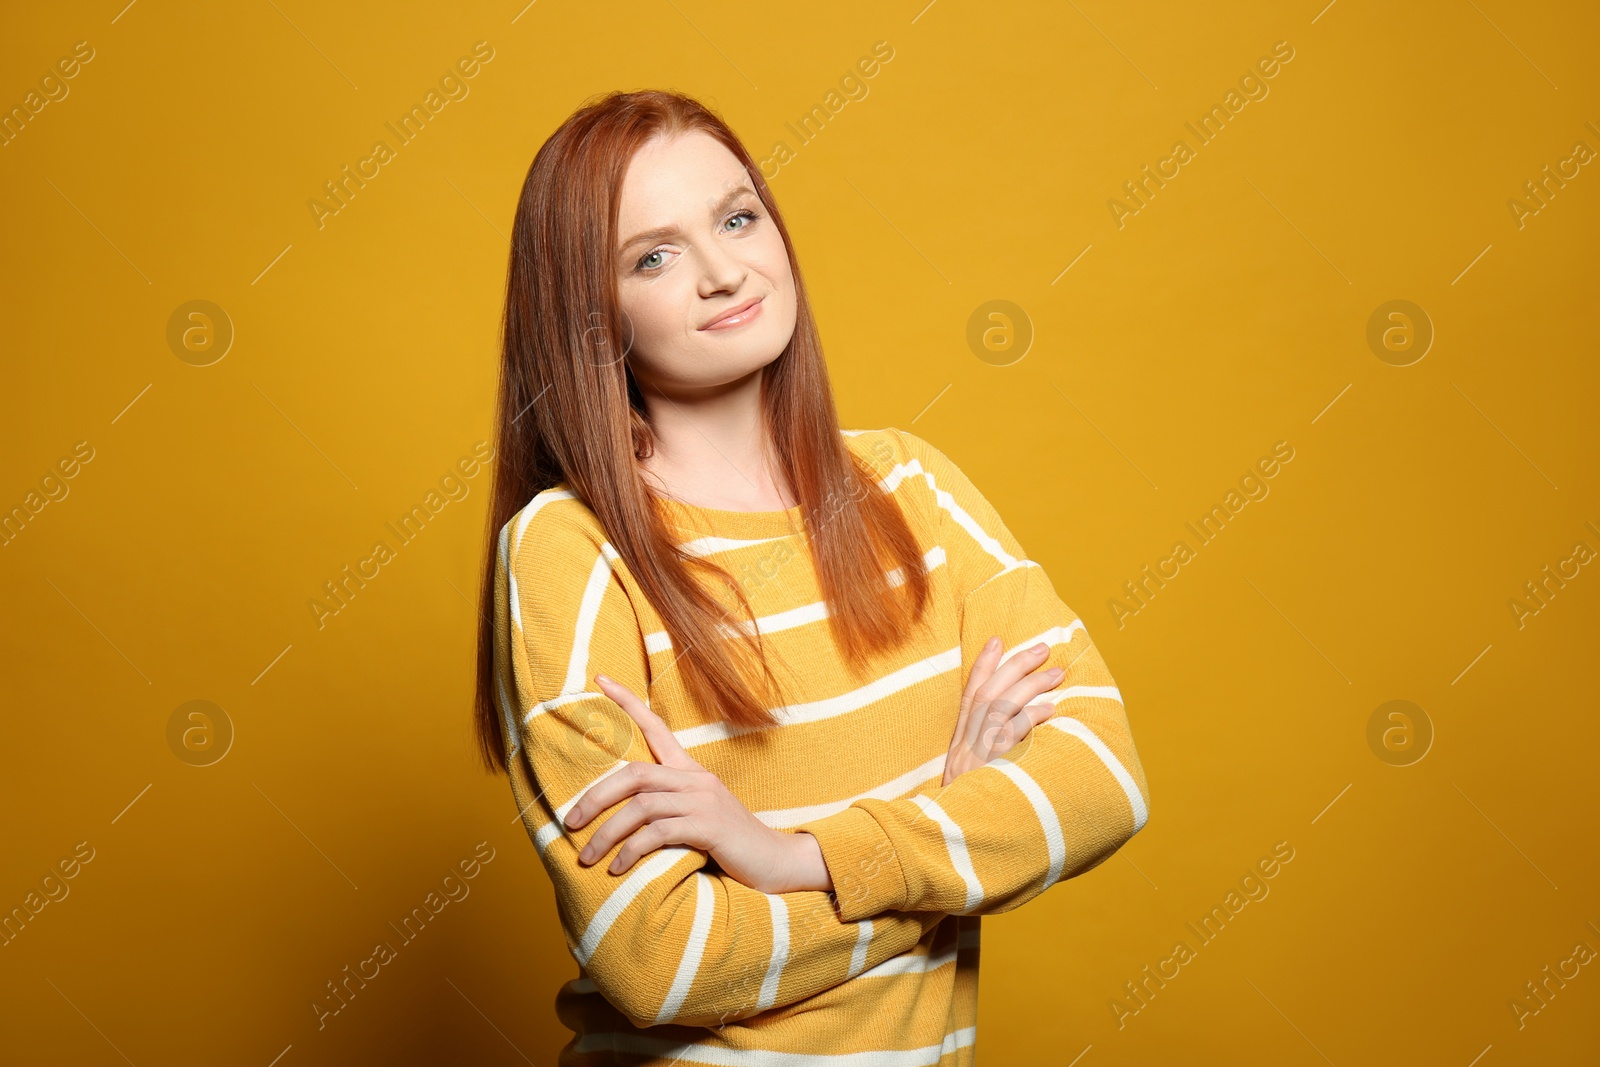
(645, 264)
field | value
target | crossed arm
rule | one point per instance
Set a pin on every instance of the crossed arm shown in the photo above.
(1056, 806)
(670, 941)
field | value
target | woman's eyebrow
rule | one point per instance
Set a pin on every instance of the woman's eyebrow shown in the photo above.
(668, 231)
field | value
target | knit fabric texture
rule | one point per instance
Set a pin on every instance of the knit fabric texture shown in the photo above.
(679, 963)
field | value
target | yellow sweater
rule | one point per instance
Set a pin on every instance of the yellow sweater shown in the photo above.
(680, 963)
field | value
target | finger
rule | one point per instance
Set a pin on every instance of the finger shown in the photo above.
(1017, 727)
(1033, 685)
(1001, 702)
(975, 723)
(1038, 714)
(636, 777)
(982, 668)
(982, 690)
(1024, 722)
(663, 745)
(1002, 707)
(1006, 721)
(640, 811)
(658, 834)
(954, 763)
(1012, 669)
(997, 733)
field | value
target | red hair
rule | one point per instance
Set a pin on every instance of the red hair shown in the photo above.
(569, 410)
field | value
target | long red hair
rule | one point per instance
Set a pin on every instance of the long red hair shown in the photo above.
(569, 410)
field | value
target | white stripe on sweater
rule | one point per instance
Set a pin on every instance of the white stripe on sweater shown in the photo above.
(858, 957)
(778, 620)
(908, 962)
(827, 708)
(1067, 724)
(643, 1043)
(525, 516)
(641, 875)
(1056, 635)
(914, 962)
(780, 951)
(955, 842)
(513, 601)
(659, 641)
(705, 906)
(1063, 635)
(519, 523)
(1106, 692)
(565, 698)
(594, 592)
(546, 834)
(893, 789)
(561, 812)
(1049, 822)
(513, 733)
(710, 546)
(914, 467)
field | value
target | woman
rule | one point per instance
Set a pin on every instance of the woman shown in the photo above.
(844, 652)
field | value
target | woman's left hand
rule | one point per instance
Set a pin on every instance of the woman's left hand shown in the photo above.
(679, 802)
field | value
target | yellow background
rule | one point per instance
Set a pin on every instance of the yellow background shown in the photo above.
(1229, 313)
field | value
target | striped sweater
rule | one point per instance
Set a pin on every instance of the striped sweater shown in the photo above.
(679, 962)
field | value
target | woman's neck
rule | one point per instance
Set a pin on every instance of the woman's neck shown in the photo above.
(714, 450)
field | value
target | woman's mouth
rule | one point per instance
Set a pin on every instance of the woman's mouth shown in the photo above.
(735, 317)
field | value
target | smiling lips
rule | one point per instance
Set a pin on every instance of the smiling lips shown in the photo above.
(734, 317)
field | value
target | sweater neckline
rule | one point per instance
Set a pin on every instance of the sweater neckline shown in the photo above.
(693, 518)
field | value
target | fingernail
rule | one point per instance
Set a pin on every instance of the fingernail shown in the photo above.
(571, 817)
(602, 679)
(1055, 672)
(583, 857)
(994, 643)
(1041, 647)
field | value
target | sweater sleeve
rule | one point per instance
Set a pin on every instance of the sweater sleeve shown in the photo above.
(1055, 806)
(666, 941)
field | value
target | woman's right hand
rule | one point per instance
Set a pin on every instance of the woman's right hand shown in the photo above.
(995, 714)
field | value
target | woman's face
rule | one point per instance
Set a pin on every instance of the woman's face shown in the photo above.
(695, 243)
